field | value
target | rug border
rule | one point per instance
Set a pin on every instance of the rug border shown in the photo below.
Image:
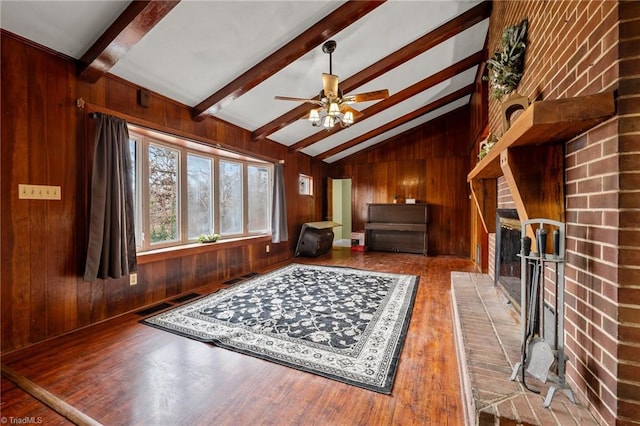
(386, 388)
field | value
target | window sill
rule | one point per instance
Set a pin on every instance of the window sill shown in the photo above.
(197, 248)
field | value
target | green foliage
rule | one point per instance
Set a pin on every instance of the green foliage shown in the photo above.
(208, 238)
(506, 66)
(166, 231)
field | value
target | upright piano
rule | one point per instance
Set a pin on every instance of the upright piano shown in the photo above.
(397, 228)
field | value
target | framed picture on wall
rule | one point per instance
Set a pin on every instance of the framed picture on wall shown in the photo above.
(305, 185)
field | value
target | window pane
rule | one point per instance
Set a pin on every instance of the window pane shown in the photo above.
(132, 155)
(230, 198)
(135, 189)
(163, 193)
(259, 198)
(199, 206)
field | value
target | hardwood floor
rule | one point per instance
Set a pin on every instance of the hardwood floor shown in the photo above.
(121, 372)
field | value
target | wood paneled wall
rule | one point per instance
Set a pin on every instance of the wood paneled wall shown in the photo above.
(44, 142)
(429, 164)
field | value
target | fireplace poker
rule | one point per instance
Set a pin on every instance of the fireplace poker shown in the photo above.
(531, 316)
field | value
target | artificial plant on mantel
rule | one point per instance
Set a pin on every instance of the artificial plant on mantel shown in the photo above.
(507, 64)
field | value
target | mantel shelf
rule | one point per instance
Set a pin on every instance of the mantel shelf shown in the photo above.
(545, 122)
(530, 157)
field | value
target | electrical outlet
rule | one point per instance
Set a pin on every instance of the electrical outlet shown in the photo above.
(38, 192)
(267, 248)
(133, 279)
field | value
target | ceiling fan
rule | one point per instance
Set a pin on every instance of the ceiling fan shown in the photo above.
(333, 105)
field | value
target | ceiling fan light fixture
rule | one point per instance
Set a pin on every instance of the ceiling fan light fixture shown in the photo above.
(329, 116)
(334, 109)
(314, 117)
(328, 122)
(348, 118)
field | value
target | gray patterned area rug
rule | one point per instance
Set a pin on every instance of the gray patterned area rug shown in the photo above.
(344, 324)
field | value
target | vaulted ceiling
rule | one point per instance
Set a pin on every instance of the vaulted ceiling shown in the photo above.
(228, 59)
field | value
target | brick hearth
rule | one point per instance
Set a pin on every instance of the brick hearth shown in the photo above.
(488, 346)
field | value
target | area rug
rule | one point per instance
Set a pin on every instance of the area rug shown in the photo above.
(341, 323)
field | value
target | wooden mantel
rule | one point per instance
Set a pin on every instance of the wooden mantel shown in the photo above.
(530, 157)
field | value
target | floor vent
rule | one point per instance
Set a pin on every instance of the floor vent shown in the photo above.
(186, 297)
(153, 309)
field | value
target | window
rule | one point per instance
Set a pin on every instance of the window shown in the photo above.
(164, 172)
(259, 181)
(199, 195)
(305, 185)
(231, 217)
(135, 145)
(183, 189)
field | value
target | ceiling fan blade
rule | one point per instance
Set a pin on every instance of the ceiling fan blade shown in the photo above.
(368, 96)
(356, 114)
(288, 98)
(330, 85)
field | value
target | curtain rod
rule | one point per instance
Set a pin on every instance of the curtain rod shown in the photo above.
(81, 104)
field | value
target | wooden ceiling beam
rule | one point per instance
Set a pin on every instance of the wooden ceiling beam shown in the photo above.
(447, 30)
(465, 91)
(419, 87)
(128, 29)
(321, 31)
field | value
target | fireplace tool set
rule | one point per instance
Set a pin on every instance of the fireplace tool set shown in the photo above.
(542, 323)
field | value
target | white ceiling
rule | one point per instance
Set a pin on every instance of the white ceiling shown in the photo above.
(201, 46)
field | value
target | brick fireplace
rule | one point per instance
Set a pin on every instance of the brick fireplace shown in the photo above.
(576, 49)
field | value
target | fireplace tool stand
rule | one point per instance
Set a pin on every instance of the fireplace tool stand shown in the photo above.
(542, 346)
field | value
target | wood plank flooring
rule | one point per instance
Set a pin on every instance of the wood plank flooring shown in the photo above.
(121, 372)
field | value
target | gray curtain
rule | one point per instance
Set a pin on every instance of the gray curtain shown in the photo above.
(279, 210)
(111, 251)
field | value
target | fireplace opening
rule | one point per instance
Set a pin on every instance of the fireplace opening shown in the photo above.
(507, 262)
